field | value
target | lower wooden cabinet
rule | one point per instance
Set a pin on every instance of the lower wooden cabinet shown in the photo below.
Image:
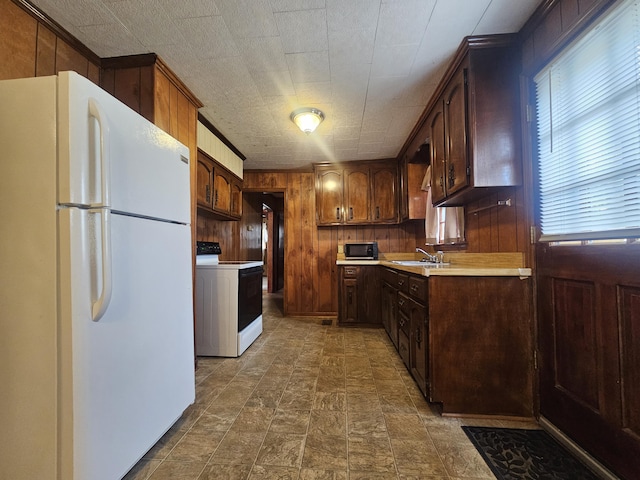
(466, 340)
(359, 295)
(481, 347)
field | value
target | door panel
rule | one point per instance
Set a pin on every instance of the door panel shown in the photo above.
(356, 192)
(383, 192)
(588, 303)
(437, 156)
(456, 133)
(330, 197)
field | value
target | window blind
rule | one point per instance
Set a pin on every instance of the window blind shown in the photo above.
(588, 133)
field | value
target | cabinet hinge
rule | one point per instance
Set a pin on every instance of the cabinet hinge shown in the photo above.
(532, 234)
(535, 360)
(529, 113)
(468, 171)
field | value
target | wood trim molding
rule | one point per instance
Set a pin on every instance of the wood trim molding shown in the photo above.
(58, 30)
(569, 32)
(148, 60)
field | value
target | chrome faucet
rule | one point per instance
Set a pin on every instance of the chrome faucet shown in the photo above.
(430, 258)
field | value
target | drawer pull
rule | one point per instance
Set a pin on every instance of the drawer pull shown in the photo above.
(414, 288)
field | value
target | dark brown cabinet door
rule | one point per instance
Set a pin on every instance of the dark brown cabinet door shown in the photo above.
(383, 192)
(221, 191)
(389, 313)
(329, 197)
(204, 180)
(350, 300)
(418, 344)
(236, 198)
(413, 316)
(356, 195)
(455, 114)
(436, 130)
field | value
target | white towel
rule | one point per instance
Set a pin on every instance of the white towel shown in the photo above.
(441, 224)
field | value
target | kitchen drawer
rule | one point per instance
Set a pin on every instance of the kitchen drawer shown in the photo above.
(350, 271)
(418, 288)
(402, 282)
(390, 276)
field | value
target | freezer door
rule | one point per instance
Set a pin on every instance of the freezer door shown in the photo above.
(127, 377)
(108, 155)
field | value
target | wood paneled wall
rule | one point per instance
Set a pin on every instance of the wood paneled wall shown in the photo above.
(493, 228)
(29, 46)
(310, 252)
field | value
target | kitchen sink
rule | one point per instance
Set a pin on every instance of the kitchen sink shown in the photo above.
(416, 263)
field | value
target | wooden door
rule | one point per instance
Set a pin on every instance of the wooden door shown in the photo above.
(350, 300)
(436, 132)
(455, 112)
(221, 191)
(387, 305)
(236, 197)
(356, 195)
(204, 181)
(588, 301)
(384, 194)
(329, 197)
(418, 344)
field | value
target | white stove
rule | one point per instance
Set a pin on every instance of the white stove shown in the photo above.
(228, 303)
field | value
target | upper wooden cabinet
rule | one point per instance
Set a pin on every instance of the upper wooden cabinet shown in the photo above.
(357, 206)
(357, 193)
(472, 122)
(384, 193)
(329, 195)
(204, 175)
(219, 192)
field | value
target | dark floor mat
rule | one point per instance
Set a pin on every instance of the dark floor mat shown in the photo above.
(516, 454)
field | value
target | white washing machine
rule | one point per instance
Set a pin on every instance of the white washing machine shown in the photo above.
(228, 303)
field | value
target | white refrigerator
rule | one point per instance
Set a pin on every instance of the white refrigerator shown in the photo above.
(96, 310)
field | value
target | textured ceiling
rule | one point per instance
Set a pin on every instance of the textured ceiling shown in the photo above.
(369, 65)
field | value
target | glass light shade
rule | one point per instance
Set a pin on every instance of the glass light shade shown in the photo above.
(307, 119)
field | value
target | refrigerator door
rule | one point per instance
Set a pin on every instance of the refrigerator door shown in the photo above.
(126, 378)
(109, 156)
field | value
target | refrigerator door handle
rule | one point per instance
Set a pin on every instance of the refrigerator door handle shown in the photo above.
(100, 306)
(97, 112)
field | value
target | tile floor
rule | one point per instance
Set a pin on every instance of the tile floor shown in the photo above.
(313, 402)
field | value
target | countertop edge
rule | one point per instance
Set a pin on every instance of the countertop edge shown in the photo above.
(446, 270)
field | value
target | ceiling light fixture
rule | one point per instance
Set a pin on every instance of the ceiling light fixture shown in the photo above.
(307, 119)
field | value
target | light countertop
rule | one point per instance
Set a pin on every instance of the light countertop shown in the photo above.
(456, 265)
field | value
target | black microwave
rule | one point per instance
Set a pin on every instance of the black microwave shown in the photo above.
(363, 251)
